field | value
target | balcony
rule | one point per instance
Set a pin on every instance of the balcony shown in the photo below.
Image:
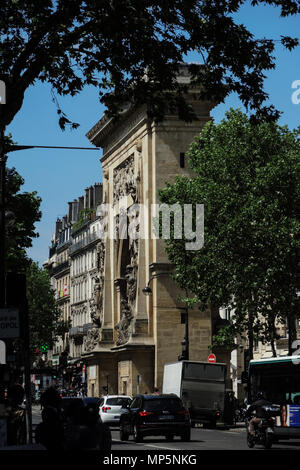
(90, 238)
(80, 330)
(60, 267)
(76, 331)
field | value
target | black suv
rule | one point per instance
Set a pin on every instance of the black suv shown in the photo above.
(155, 415)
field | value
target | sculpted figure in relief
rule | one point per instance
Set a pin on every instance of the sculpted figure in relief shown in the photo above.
(127, 181)
(93, 335)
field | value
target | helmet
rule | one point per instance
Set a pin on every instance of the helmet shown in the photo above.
(260, 396)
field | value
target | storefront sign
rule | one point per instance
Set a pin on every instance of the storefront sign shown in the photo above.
(55, 360)
(92, 372)
(9, 323)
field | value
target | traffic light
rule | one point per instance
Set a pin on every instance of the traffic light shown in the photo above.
(44, 347)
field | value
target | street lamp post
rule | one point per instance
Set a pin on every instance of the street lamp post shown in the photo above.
(3, 159)
(4, 149)
(185, 318)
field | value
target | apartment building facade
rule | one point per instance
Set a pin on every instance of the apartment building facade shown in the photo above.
(72, 267)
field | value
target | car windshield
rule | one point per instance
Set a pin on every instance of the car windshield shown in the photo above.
(118, 401)
(159, 404)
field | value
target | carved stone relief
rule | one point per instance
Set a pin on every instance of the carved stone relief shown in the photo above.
(127, 182)
(96, 304)
(124, 180)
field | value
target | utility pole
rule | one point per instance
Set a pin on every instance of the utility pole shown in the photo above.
(186, 342)
(3, 159)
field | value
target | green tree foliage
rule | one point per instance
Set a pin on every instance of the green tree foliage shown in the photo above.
(115, 44)
(24, 210)
(247, 177)
(44, 314)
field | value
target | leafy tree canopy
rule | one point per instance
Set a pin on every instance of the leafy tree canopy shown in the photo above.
(247, 177)
(24, 209)
(44, 314)
(131, 49)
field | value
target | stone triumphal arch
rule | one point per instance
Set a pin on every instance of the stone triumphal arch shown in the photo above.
(133, 336)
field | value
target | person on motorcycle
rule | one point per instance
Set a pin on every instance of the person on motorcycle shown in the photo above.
(257, 407)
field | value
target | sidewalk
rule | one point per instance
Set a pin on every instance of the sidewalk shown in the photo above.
(24, 447)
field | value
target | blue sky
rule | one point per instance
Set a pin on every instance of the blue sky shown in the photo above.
(60, 176)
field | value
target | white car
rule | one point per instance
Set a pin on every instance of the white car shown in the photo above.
(112, 406)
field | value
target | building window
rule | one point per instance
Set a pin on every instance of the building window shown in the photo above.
(182, 159)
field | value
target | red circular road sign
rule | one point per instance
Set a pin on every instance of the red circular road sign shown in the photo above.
(212, 358)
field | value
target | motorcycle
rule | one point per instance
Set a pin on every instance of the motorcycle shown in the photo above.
(240, 414)
(264, 431)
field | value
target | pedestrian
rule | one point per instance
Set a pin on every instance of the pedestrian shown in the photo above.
(16, 418)
(50, 432)
(229, 407)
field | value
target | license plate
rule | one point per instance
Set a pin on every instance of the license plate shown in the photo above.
(166, 418)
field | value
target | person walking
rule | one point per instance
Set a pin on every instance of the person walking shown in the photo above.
(50, 432)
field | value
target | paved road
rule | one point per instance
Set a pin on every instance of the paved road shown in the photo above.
(208, 439)
(201, 439)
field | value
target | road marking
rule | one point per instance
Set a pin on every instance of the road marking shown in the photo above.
(163, 448)
(145, 445)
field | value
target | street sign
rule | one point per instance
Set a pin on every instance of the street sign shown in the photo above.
(9, 323)
(212, 358)
(2, 352)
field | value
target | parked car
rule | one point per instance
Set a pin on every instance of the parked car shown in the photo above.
(83, 428)
(112, 407)
(93, 401)
(155, 415)
(71, 406)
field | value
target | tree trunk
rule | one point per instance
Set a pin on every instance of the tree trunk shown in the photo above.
(272, 328)
(250, 335)
(292, 332)
(273, 348)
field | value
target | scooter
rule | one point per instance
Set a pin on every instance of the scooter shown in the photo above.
(264, 431)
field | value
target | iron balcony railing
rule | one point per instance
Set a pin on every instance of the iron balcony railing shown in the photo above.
(90, 238)
(60, 267)
(80, 330)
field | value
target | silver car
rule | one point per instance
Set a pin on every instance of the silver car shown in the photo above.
(111, 408)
